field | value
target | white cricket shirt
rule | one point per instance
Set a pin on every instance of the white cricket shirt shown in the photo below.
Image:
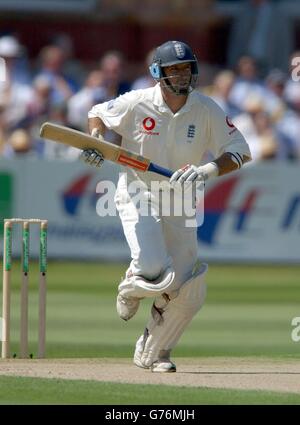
(148, 127)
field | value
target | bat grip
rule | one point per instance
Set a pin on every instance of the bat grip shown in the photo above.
(160, 170)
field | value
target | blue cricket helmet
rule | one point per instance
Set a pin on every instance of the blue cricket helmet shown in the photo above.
(172, 53)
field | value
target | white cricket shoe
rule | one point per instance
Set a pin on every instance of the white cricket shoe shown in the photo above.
(163, 366)
(127, 306)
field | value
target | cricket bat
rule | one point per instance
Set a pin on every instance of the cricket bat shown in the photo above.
(111, 152)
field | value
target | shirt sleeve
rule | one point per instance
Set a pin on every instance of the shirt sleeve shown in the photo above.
(223, 135)
(116, 113)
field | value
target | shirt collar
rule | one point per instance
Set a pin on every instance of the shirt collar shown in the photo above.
(157, 97)
(162, 106)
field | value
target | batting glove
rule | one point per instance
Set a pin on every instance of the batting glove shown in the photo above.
(92, 157)
(191, 173)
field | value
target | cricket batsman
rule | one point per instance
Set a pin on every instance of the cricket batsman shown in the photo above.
(173, 125)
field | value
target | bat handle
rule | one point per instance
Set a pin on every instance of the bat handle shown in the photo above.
(160, 170)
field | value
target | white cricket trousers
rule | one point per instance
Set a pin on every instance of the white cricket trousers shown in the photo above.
(156, 241)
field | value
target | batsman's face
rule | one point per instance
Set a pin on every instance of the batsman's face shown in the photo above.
(179, 75)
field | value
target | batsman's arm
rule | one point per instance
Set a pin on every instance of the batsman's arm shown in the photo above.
(224, 164)
(96, 124)
(97, 127)
(228, 162)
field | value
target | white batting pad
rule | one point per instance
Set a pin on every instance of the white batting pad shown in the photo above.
(169, 319)
(139, 287)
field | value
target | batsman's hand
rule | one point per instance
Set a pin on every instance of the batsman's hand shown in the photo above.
(92, 156)
(188, 173)
(191, 173)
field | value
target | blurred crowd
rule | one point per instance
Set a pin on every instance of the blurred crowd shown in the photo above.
(266, 110)
(58, 89)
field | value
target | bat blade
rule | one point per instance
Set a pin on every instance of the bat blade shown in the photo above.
(77, 139)
(111, 152)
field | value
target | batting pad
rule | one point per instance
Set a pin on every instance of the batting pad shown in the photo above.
(139, 287)
(169, 319)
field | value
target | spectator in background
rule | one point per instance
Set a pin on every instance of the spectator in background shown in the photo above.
(52, 62)
(289, 127)
(112, 66)
(15, 97)
(80, 103)
(222, 86)
(19, 143)
(53, 151)
(275, 82)
(15, 59)
(39, 112)
(145, 80)
(72, 67)
(292, 87)
(268, 139)
(256, 126)
(247, 82)
(281, 114)
(40, 107)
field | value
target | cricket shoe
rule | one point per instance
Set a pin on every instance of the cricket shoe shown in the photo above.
(127, 306)
(163, 364)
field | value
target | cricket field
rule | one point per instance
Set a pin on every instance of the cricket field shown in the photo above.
(239, 348)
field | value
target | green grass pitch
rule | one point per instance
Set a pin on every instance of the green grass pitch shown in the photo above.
(248, 312)
(53, 391)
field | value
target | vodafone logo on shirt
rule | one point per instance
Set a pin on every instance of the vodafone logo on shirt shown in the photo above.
(148, 124)
(231, 125)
